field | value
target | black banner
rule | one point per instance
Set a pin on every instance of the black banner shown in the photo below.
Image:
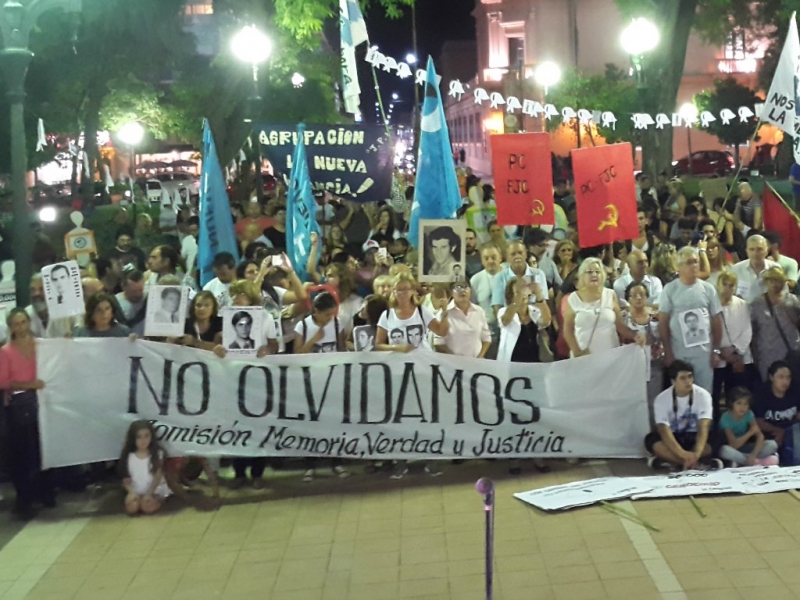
(351, 161)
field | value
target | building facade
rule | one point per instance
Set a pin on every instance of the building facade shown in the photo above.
(514, 36)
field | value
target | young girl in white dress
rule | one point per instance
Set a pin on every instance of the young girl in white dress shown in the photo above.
(142, 464)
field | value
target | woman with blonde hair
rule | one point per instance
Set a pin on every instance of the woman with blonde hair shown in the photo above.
(664, 263)
(404, 328)
(734, 365)
(593, 320)
(565, 257)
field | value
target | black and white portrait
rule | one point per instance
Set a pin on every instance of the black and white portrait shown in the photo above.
(397, 337)
(364, 338)
(166, 310)
(414, 333)
(242, 328)
(442, 250)
(694, 327)
(62, 290)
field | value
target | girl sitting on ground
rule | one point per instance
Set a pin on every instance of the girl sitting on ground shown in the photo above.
(744, 441)
(142, 465)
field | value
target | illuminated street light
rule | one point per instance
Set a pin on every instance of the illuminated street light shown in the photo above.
(639, 37)
(411, 59)
(547, 74)
(250, 45)
(298, 80)
(131, 133)
(48, 214)
(395, 95)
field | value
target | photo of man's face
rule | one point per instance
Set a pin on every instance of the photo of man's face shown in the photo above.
(171, 301)
(396, 336)
(692, 322)
(60, 278)
(441, 250)
(415, 335)
(243, 326)
(363, 339)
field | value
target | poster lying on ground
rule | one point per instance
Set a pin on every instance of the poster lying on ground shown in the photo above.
(357, 405)
(354, 162)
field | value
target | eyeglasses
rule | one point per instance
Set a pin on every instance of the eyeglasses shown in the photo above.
(460, 288)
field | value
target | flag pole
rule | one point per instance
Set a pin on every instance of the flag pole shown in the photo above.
(741, 162)
(380, 97)
(782, 201)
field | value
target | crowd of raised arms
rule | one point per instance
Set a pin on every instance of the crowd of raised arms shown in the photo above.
(702, 288)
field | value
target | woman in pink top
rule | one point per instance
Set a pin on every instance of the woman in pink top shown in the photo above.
(19, 383)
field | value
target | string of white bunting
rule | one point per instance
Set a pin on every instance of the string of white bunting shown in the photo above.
(533, 108)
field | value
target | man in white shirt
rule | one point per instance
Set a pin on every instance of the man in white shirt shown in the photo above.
(189, 244)
(482, 284)
(517, 259)
(749, 272)
(537, 242)
(788, 264)
(132, 301)
(224, 266)
(637, 265)
(683, 414)
(469, 333)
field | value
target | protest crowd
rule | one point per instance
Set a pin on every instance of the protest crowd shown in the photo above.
(702, 288)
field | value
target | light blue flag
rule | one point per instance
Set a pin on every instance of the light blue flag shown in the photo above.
(300, 209)
(436, 193)
(216, 222)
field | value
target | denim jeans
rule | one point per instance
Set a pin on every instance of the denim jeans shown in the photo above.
(739, 455)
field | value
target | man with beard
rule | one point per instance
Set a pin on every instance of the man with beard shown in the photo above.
(125, 252)
(474, 264)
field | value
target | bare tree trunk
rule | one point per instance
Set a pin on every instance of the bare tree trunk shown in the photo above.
(92, 125)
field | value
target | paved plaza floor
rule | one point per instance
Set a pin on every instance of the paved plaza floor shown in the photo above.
(371, 538)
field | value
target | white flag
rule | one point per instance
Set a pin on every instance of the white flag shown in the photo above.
(353, 32)
(41, 139)
(780, 108)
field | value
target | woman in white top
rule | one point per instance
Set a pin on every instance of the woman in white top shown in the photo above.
(642, 318)
(526, 313)
(734, 363)
(341, 278)
(593, 321)
(404, 328)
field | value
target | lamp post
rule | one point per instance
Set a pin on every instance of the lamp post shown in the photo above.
(250, 45)
(131, 135)
(16, 22)
(546, 75)
(688, 113)
(637, 39)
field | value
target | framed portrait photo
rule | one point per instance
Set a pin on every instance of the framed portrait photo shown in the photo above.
(442, 251)
(242, 329)
(166, 311)
(63, 291)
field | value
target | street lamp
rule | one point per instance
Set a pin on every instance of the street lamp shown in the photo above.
(298, 80)
(547, 74)
(250, 45)
(131, 134)
(688, 112)
(16, 22)
(411, 58)
(638, 38)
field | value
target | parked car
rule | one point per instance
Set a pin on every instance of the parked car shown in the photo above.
(183, 184)
(706, 162)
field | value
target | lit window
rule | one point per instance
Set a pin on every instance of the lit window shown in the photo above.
(735, 47)
(199, 7)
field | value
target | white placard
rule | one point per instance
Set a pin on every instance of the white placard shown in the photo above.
(242, 329)
(351, 405)
(63, 291)
(166, 311)
(583, 493)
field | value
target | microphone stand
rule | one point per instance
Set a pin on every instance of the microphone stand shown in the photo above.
(486, 487)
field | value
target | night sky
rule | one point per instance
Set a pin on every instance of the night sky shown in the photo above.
(437, 21)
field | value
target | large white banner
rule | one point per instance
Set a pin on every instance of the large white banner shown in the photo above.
(348, 405)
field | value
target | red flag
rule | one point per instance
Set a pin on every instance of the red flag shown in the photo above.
(778, 218)
(605, 194)
(523, 179)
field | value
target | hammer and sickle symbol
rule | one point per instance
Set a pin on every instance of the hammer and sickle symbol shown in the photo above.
(538, 208)
(612, 218)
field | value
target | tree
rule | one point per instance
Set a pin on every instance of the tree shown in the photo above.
(714, 20)
(612, 91)
(728, 93)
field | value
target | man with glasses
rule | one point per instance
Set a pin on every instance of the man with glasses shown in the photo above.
(637, 272)
(469, 333)
(517, 259)
(684, 296)
(749, 272)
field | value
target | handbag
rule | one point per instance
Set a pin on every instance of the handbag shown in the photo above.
(792, 355)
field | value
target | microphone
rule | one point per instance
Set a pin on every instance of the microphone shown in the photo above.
(485, 487)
